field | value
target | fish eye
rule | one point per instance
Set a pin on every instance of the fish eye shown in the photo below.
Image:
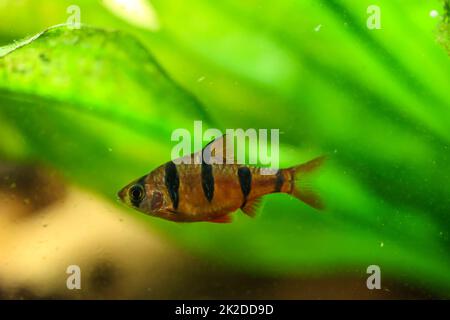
(136, 193)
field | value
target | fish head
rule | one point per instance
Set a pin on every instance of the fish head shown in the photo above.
(146, 195)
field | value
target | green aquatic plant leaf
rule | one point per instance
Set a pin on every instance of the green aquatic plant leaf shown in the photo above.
(443, 30)
(95, 105)
(53, 78)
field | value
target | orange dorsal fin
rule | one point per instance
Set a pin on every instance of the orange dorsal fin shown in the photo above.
(217, 151)
(222, 219)
(251, 207)
(220, 150)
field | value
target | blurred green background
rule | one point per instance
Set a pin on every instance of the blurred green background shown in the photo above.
(98, 106)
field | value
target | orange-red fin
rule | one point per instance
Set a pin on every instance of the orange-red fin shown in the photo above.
(303, 187)
(217, 151)
(222, 219)
(251, 207)
(310, 197)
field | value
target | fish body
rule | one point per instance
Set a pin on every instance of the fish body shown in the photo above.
(192, 192)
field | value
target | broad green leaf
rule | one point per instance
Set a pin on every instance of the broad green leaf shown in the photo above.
(84, 99)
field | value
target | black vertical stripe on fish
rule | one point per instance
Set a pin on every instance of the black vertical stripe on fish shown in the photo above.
(245, 180)
(279, 180)
(207, 181)
(172, 182)
(142, 180)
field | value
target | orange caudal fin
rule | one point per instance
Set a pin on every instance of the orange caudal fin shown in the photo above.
(303, 188)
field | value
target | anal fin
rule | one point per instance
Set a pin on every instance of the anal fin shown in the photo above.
(251, 207)
(222, 219)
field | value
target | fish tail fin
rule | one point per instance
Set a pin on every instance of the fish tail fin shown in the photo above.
(301, 179)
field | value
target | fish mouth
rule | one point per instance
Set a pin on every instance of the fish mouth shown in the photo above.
(121, 194)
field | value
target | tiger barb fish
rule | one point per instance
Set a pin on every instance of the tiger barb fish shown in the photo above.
(205, 191)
